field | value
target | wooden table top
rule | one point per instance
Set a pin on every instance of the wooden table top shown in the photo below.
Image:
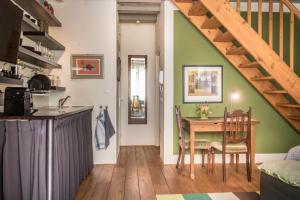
(210, 120)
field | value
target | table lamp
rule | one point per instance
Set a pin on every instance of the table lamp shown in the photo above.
(234, 96)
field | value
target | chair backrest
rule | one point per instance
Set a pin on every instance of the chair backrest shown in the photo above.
(237, 127)
(179, 124)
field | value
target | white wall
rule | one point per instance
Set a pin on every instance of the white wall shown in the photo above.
(139, 39)
(168, 48)
(89, 27)
(161, 39)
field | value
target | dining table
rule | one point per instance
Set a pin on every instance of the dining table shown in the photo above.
(195, 125)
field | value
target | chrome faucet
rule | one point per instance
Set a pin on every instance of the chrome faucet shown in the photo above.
(62, 101)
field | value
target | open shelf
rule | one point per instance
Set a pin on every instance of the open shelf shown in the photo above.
(40, 93)
(28, 25)
(45, 39)
(35, 59)
(5, 80)
(38, 11)
(57, 88)
(47, 92)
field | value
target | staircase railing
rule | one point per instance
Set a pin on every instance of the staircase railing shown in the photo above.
(293, 11)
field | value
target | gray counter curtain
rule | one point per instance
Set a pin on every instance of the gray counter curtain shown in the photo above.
(73, 157)
(23, 157)
(23, 160)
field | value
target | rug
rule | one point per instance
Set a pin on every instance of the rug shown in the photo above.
(211, 196)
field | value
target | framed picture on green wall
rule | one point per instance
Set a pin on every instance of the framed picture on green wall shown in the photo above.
(202, 84)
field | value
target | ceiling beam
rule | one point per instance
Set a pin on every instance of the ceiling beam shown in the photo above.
(133, 18)
(139, 8)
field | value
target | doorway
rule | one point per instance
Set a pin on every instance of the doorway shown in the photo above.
(139, 84)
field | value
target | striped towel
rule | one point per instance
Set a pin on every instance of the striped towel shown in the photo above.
(211, 196)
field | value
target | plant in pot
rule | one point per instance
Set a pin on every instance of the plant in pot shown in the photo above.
(202, 110)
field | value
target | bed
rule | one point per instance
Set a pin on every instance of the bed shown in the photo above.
(280, 180)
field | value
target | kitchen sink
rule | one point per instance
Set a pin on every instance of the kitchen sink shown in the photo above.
(57, 109)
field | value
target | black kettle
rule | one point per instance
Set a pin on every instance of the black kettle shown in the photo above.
(39, 82)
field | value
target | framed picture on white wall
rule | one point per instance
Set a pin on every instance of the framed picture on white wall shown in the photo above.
(87, 66)
(202, 84)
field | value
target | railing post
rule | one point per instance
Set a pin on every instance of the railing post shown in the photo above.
(281, 29)
(260, 17)
(271, 23)
(292, 37)
(249, 12)
(238, 6)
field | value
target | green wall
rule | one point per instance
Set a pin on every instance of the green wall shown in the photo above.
(274, 134)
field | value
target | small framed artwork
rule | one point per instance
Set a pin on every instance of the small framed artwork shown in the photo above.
(202, 84)
(87, 66)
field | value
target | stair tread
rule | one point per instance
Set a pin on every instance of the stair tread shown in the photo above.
(224, 37)
(275, 92)
(237, 51)
(288, 105)
(198, 9)
(211, 23)
(250, 65)
(264, 78)
(294, 117)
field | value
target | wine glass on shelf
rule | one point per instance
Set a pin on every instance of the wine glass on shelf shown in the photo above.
(52, 56)
(38, 46)
(43, 50)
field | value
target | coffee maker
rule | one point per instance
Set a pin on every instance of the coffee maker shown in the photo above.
(17, 101)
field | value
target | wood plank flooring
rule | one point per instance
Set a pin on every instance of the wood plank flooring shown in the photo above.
(140, 175)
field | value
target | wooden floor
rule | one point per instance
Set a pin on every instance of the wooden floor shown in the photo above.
(140, 175)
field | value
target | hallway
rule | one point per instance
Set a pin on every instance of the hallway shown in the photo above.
(140, 175)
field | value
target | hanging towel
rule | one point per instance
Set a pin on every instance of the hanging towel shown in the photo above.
(100, 131)
(109, 129)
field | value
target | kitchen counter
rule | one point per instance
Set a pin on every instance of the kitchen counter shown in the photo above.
(46, 154)
(50, 113)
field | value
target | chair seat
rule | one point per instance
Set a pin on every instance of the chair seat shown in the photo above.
(239, 147)
(200, 145)
(196, 140)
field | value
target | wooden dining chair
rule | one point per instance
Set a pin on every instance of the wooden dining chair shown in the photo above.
(236, 140)
(201, 144)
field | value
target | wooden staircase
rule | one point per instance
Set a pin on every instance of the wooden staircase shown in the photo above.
(252, 57)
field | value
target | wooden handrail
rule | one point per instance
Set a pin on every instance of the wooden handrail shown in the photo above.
(291, 7)
(294, 12)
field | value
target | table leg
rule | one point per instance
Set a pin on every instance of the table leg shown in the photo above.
(231, 159)
(252, 156)
(192, 152)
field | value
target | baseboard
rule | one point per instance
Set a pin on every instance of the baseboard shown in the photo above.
(259, 158)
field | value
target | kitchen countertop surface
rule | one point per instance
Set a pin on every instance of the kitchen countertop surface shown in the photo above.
(49, 113)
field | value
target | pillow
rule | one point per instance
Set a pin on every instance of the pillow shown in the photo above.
(287, 171)
(293, 154)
